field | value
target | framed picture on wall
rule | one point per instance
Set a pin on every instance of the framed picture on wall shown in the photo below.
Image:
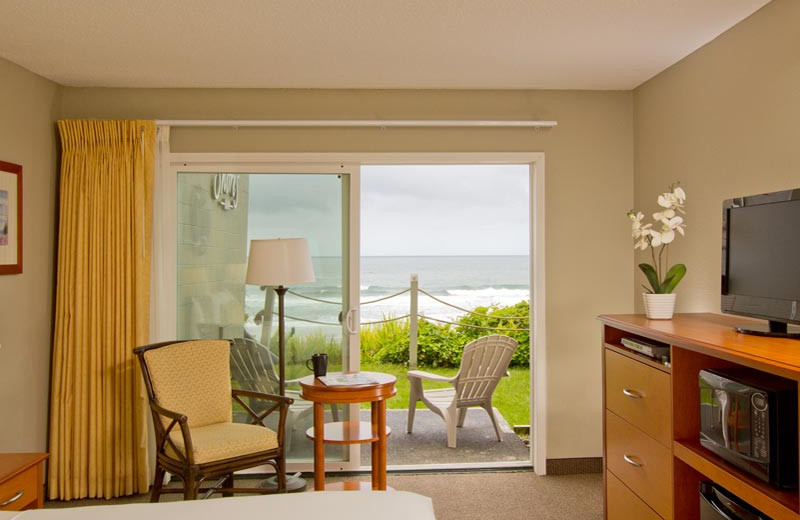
(10, 218)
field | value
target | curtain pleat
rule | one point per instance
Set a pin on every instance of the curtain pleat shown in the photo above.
(98, 428)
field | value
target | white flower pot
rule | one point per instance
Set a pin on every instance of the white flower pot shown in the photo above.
(659, 306)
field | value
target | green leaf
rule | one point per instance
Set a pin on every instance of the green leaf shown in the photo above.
(650, 272)
(674, 276)
(647, 289)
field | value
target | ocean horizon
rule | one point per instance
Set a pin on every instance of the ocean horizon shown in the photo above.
(466, 281)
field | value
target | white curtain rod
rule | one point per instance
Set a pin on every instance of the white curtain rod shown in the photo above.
(331, 123)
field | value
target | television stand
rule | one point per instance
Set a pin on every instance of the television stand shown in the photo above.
(775, 329)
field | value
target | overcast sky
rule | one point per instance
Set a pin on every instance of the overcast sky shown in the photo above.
(405, 210)
(444, 210)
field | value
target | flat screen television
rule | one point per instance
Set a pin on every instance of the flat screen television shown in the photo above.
(761, 260)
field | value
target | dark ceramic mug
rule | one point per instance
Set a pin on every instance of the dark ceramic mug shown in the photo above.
(319, 364)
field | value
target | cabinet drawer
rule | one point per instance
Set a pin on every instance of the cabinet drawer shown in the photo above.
(623, 504)
(641, 463)
(639, 394)
(25, 483)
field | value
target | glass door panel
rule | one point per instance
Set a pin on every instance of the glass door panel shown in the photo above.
(218, 215)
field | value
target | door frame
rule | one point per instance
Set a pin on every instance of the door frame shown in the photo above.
(165, 249)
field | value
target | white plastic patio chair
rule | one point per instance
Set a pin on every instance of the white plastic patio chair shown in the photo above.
(484, 361)
(253, 368)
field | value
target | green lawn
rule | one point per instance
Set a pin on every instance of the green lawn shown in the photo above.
(511, 398)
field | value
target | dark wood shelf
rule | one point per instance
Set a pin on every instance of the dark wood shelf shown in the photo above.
(347, 432)
(777, 503)
(625, 351)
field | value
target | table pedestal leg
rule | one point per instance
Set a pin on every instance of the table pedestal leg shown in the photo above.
(379, 448)
(374, 446)
(319, 447)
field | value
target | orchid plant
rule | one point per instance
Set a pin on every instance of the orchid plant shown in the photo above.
(659, 235)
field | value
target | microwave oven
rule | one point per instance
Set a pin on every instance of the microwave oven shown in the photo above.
(749, 418)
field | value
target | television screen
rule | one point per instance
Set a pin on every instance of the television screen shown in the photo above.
(764, 251)
(761, 259)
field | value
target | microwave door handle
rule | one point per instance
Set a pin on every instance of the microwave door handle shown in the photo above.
(724, 412)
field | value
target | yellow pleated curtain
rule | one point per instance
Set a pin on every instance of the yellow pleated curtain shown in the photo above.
(98, 428)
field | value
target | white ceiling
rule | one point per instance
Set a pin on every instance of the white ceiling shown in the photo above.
(559, 44)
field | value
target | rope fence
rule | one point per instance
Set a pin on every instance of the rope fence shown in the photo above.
(414, 315)
(468, 325)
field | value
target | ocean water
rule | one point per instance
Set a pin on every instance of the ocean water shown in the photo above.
(463, 281)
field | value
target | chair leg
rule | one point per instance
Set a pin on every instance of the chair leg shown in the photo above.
(190, 486)
(335, 412)
(490, 411)
(451, 421)
(158, 482)
(415, 392)
(228, 484)
(462, 414)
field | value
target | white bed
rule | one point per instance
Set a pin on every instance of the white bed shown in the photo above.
(329, 505)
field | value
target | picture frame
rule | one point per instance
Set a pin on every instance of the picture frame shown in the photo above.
(10, 218)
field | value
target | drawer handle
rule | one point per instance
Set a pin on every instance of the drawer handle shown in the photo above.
(633, 394)
(633, 462)
(12, 499)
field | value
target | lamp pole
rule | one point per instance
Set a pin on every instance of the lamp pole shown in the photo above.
(281, 290)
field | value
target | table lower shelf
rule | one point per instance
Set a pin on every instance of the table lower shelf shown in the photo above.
(347, 432)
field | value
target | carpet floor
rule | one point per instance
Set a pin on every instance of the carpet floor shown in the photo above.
(477, 495)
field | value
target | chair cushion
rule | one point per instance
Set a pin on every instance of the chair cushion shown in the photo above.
(225, 440)
(193, 378)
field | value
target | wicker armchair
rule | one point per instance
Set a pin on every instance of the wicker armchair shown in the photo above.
(189, 386)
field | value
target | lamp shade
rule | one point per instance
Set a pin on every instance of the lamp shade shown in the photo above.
(279, 261)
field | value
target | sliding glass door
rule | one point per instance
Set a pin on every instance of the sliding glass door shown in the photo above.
(218, 214)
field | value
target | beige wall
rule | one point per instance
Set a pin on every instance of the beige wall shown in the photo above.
(588, 190)
(28, 107)
(724, 121)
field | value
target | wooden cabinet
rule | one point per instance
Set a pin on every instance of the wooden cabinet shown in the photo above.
(653, 459)
(21, 478)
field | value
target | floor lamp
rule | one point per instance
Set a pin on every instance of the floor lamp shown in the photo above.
(278, 263)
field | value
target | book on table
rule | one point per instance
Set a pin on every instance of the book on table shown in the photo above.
(354, 379)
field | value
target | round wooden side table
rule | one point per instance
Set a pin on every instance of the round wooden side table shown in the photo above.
(350, 432)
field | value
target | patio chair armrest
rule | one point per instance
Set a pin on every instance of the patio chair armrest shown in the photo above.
(293, 381)
(419, 374)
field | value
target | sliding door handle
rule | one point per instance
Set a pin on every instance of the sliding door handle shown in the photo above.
(348, 321)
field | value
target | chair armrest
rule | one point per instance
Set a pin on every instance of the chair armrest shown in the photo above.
(163, 433)
(419, 374)
(283, 401)
(281, 404)
(169, 414)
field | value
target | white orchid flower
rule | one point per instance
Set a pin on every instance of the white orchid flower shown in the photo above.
(666, 200)
(676, 223)
(664, 216)
(645, 235)
(637, 229)
(661, 237)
